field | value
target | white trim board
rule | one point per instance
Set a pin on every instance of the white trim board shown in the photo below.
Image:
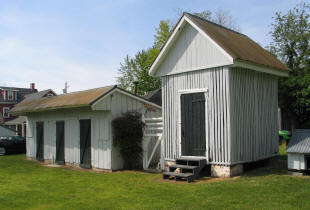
(179, 141)
(263, 69)
(127, 94)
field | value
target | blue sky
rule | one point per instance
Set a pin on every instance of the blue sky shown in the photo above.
(83, 41)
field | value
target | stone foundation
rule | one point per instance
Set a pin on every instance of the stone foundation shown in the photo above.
(167, 164)
(226, 171)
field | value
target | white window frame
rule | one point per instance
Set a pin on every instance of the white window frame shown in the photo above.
(10, 97)
(5, 112)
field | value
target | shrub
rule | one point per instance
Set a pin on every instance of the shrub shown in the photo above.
(127, 136)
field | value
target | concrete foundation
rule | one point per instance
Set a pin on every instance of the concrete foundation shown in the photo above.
(226, 171)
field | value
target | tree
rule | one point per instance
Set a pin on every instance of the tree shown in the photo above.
(290, 43)
(136, 69)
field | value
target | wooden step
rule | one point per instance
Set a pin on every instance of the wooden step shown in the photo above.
(190, 158)
(183, 166)
(188, 176)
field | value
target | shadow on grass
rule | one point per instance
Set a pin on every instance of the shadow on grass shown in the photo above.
(273, 166)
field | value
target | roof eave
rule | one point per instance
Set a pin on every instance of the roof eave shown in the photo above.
(25, 112)
(261, 68)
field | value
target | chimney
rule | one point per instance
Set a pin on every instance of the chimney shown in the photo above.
(32, 86)
(136, 86)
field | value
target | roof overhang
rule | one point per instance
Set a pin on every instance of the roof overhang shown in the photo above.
(260, 68)
(143, 100)
(173, 37)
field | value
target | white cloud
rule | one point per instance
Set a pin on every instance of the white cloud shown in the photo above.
(48, 68)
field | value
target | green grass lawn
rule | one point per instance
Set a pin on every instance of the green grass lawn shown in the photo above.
(26, 184)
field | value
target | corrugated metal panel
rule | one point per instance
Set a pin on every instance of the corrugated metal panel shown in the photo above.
(254, 111)
(191, 51)
(218, 137)
(300, 142)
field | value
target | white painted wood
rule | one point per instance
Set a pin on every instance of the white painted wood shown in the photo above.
(259, 68)
(192, 51)
(253, 118)
(296, 161)
(208, 79)
(103, 154)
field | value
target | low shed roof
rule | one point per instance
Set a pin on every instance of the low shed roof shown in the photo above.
(300, 142)
(84, 98)
(69, 100)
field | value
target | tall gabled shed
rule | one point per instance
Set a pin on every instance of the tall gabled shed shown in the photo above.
(219, 95)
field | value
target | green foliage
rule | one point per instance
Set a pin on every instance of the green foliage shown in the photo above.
(127, 136)
(136, 68)
(291, 34)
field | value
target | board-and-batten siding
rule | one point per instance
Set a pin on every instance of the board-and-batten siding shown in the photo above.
(241, 113)
(254, 111)
(192, 51)
(217, 82)
(103, 154)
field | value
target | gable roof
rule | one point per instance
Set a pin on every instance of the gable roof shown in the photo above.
(237, 46)
(300, 142)
(77, 99)
(39, 94)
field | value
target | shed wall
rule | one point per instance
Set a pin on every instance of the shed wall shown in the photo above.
(296, 161)
(254, 115)
(100, 136)
(103, 153)
(217, 101)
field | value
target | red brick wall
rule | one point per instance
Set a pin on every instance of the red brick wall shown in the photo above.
(1, 111)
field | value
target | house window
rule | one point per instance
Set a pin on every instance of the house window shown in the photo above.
(6, 112)
(50, 94)
(10, 95)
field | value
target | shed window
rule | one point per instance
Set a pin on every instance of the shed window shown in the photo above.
(6, 112)
(10, 95)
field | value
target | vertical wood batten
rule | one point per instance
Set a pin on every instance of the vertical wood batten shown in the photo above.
(254, 105)
(214, 80)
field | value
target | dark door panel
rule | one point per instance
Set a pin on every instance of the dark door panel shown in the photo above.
(60, 142)
(40, 141)
(193, 130)
(85, 143)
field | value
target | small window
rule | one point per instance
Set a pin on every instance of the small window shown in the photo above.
(10, 95)
(6, 112)
(50, 95)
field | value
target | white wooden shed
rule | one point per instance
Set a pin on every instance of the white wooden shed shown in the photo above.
(219, 96)
(298, 150)
(75, 128)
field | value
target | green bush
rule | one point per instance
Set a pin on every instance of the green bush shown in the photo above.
(127, 136)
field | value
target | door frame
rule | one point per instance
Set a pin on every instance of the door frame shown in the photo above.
(64, 141)
(179, 127)
(82, 165)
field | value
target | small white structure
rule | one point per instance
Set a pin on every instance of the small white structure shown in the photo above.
(6, 131)
(298, 150)
(219, 96)
(75, 128)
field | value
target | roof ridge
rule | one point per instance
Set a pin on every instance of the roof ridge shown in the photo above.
(111, 86)
(213, 23)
